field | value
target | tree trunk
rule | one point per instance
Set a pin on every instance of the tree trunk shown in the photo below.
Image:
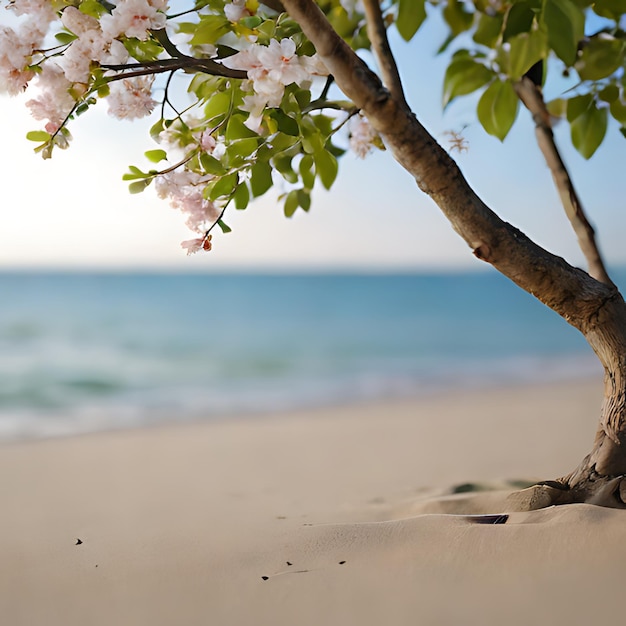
(595, 308)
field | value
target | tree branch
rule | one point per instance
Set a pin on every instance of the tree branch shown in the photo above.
(276, 5)
(569, 291)
(377, 33)
(207, 66)
(532, 98)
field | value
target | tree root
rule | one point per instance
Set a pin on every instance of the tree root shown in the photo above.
(588, 487)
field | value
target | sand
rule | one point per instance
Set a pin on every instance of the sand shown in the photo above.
(325, 517)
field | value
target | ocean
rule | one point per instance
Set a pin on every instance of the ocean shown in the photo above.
(82, 352)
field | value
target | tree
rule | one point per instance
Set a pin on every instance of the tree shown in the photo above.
(273, 86)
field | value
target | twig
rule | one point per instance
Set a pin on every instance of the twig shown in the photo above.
(377, 33)
(532, 98)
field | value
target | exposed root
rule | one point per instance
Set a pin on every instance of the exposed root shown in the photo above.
(608, 491)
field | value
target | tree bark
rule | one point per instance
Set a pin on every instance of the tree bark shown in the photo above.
(595, 308)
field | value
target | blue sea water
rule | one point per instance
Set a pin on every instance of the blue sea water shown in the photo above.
(90, 351)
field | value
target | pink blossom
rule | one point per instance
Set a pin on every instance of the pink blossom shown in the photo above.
(131, 98)
(91, 46)
(16, 51)
(54, 101)
(192, 245)
(184, 190)
(235, 10)
(134, 18)
(362, 135)
(77, 22)
(207, 142)
(40, 13)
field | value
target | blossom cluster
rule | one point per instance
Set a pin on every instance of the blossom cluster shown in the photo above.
(270, 69)
(61, 79)
(113, 50)
(362, 136)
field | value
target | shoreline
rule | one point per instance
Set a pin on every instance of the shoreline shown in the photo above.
(315, 517)
(47, 428)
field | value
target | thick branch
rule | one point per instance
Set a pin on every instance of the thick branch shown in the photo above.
(531, 97)
(570, 292)
(377, 33)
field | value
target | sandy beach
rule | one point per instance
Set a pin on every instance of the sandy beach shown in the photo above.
(341, 516)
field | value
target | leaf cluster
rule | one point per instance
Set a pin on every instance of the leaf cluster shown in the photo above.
(577, 45)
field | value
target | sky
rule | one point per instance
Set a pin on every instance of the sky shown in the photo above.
(75, 212)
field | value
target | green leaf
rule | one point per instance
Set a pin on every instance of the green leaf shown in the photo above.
(241, 196)
(307, 171)
(519, 20)
(526, 49)
(251, 22)
(312, 140)
(456, 17)
(327, 167)
(224, 186)
(291, 203)
(65, 38)
(92, 7)
(143, 50)
(557, 107)
(225, 227)
(464, 75)
(282, 163)
(600, 58)
(218, 105)
(610, 93)
(564, 23)
(139, 185)
(260, 178)
(611, 9)
(236, 129)
(488, 30)
(497, 108)
(38, 135)
(243, 148)
(304, 199)
(588, 130)
(577, 105)
(157, 128)
(211, 165)
(155, 156)
(210, 29)
(134, 173)
(411, 14)
(286, 124)
(618, 111)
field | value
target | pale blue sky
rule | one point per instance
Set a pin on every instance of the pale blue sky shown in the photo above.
(75, 211)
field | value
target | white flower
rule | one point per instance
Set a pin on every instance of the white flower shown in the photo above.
(270, 69)
(362, 135)
(282, 63)
(131, 98)
(134, 18)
